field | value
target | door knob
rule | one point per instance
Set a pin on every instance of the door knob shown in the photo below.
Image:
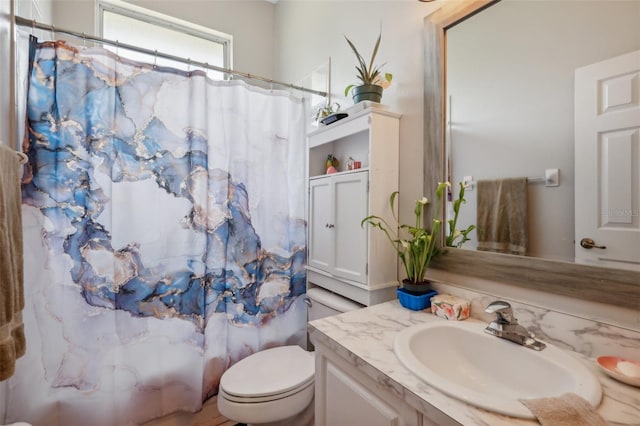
(588, 243)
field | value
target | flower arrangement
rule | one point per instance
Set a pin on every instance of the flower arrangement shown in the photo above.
(415, 245)
(369, 74)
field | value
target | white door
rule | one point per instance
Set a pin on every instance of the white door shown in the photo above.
(350, 198)
(607, 162)
(321, 227)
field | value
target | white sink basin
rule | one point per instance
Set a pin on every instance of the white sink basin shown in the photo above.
(463, 361)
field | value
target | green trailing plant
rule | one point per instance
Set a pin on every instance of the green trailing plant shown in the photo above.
(457, 237)
(369, 74)
(415, 245)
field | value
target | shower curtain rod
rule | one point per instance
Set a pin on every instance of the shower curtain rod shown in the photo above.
(40, 26)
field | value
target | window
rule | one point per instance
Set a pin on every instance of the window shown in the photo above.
(140, 27)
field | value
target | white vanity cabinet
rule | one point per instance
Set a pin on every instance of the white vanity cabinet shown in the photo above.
(346, 396)
(353, 261)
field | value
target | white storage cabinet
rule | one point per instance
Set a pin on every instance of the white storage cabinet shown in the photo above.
(355, 262)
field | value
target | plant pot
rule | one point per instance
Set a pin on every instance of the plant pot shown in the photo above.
(367, 92)
(415, 301)
(416, 288)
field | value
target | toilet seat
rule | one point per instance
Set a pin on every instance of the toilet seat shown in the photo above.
(268, 386)
(264, 398)
(267, 398)
(269, 375)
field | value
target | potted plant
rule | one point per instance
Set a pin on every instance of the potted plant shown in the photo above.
(325, 111)
(373, 81)
(416, 245)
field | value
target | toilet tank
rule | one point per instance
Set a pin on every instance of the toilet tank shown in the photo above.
(322, 303)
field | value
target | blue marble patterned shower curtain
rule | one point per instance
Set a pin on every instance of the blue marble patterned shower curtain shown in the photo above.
(165, 235)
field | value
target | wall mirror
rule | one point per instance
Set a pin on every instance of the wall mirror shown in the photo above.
(555, 274)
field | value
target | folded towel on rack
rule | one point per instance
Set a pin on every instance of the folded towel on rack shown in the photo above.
(566, 410)
(502, 215)
(12, 341)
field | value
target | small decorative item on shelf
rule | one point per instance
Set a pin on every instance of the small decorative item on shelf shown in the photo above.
(350, 164)
(415, 301)
(353, 164)
(332, 164)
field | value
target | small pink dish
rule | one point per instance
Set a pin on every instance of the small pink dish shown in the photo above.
(625, 370)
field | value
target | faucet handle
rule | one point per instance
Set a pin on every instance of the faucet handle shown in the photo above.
(503, 310)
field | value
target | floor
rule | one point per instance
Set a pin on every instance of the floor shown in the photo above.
(208, 416)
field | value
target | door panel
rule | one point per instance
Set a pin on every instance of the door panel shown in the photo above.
(320, 219)
(350, 207)
(607, 161)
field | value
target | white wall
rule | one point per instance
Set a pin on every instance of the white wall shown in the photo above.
(512, 100)
(251, 23)
(308, 32)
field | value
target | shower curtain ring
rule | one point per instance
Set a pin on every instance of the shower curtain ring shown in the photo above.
(53, 33)
(117, 46)
(155, 60)
(188, 66)
(206, 69)
(84, 39)
(33, 26)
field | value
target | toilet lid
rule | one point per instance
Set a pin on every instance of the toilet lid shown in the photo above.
(269, 372)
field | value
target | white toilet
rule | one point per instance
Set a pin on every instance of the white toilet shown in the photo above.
(275, 386)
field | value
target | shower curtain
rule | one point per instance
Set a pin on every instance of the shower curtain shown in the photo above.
(164, 235)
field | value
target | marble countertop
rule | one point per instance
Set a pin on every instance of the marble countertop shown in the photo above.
(364, 338)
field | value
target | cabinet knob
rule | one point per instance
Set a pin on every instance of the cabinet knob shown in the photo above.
(329, 225)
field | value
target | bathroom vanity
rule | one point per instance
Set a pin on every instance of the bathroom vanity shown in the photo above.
(359, 379)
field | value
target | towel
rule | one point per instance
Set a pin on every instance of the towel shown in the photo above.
(12, 341)
(566, 410)
(502, 215)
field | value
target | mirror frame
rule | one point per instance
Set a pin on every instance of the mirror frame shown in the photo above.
(586, 282)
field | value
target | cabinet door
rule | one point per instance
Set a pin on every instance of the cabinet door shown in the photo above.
(321, 224)
(350, 403)
(345, 395)
(350, 205)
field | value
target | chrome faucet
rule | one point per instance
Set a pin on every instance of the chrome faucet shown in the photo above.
(506, 326)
